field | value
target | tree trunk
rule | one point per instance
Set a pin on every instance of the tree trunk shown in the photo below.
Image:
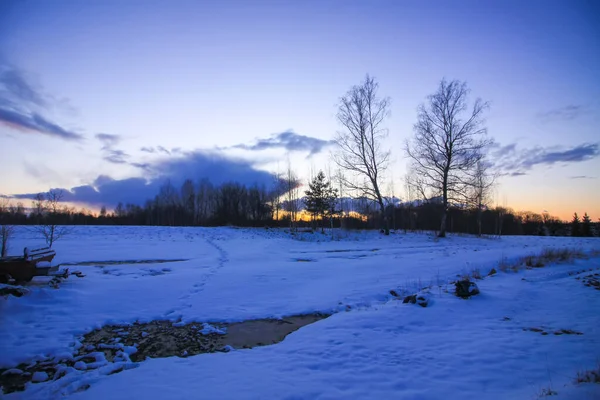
(384, 219)
(4, 249)
(442, 232)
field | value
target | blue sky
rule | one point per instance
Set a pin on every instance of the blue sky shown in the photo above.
(104, 95)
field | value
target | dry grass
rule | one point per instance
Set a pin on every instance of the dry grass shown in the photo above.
(547, 392)
(475, 273)
(591, 376)
(545, 257)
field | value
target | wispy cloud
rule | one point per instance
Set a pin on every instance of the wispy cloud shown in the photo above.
(108, 139)
(116, 156)
(568, 112)
(582, 177)
(161, 149)
(289, 141)
(34, 122)
(515, 162)
(21, 106)
(16, 84)
(110, 153)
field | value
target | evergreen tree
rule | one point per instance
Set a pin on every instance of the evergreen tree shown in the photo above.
(586, 226)
(320, 198)
(575, 229)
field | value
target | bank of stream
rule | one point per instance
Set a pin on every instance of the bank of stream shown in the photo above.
(113, 348)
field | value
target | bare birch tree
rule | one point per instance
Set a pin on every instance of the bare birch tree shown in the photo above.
(450, 139)
(361, 114)
(50, 209)
(481, 190)
(292, 196)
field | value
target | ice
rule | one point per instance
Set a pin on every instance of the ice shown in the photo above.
(207, 329)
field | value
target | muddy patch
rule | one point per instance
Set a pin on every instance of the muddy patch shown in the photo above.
(119, 262)
(143, 272)
(114, 348)
(166, 339)
(350, 250)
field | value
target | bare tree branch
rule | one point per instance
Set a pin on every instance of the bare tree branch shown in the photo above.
(361, 114)
(449, 143)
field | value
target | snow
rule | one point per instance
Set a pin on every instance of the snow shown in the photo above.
(207, 329)
(39, 376)
(80, 365)
(371, 347)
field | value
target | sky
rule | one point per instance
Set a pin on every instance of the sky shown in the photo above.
(107, 99)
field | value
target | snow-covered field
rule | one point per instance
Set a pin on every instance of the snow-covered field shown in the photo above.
(372, 346)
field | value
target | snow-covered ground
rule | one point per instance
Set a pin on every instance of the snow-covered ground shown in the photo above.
(371, 347)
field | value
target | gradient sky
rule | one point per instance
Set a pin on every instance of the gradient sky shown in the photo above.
(102, 95)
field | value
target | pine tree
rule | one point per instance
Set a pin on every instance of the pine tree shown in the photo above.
(586, 226)
(575, 229)
(320, 198)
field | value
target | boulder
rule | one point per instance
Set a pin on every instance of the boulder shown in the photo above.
(412, 299)
(39, 376)
(465, 288)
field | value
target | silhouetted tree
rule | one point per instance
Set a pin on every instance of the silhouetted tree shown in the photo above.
(362, 113)
(479, 189)
(586, 226)
(53, 215)
(6, 229)
(292, 199)
(205, 199)
(449, 141)
(575, 226)
(320, 198)
(188, 202)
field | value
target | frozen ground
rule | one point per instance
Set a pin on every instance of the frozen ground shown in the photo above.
(455, 348)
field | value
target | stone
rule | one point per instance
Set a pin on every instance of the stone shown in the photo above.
(80, 365)
(12, 371)
(412, 299)
(39, 376)
(465, 288)
(421, 299)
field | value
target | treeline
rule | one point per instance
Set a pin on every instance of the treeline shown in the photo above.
(494, 221)
(205, 204)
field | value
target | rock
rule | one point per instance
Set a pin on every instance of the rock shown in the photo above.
(465, 288)
(39, 376)
(80, 365)
(12, 371)
(394, 293)
(492, 272)
(421, 299)
(11, 290)
(412, 299)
